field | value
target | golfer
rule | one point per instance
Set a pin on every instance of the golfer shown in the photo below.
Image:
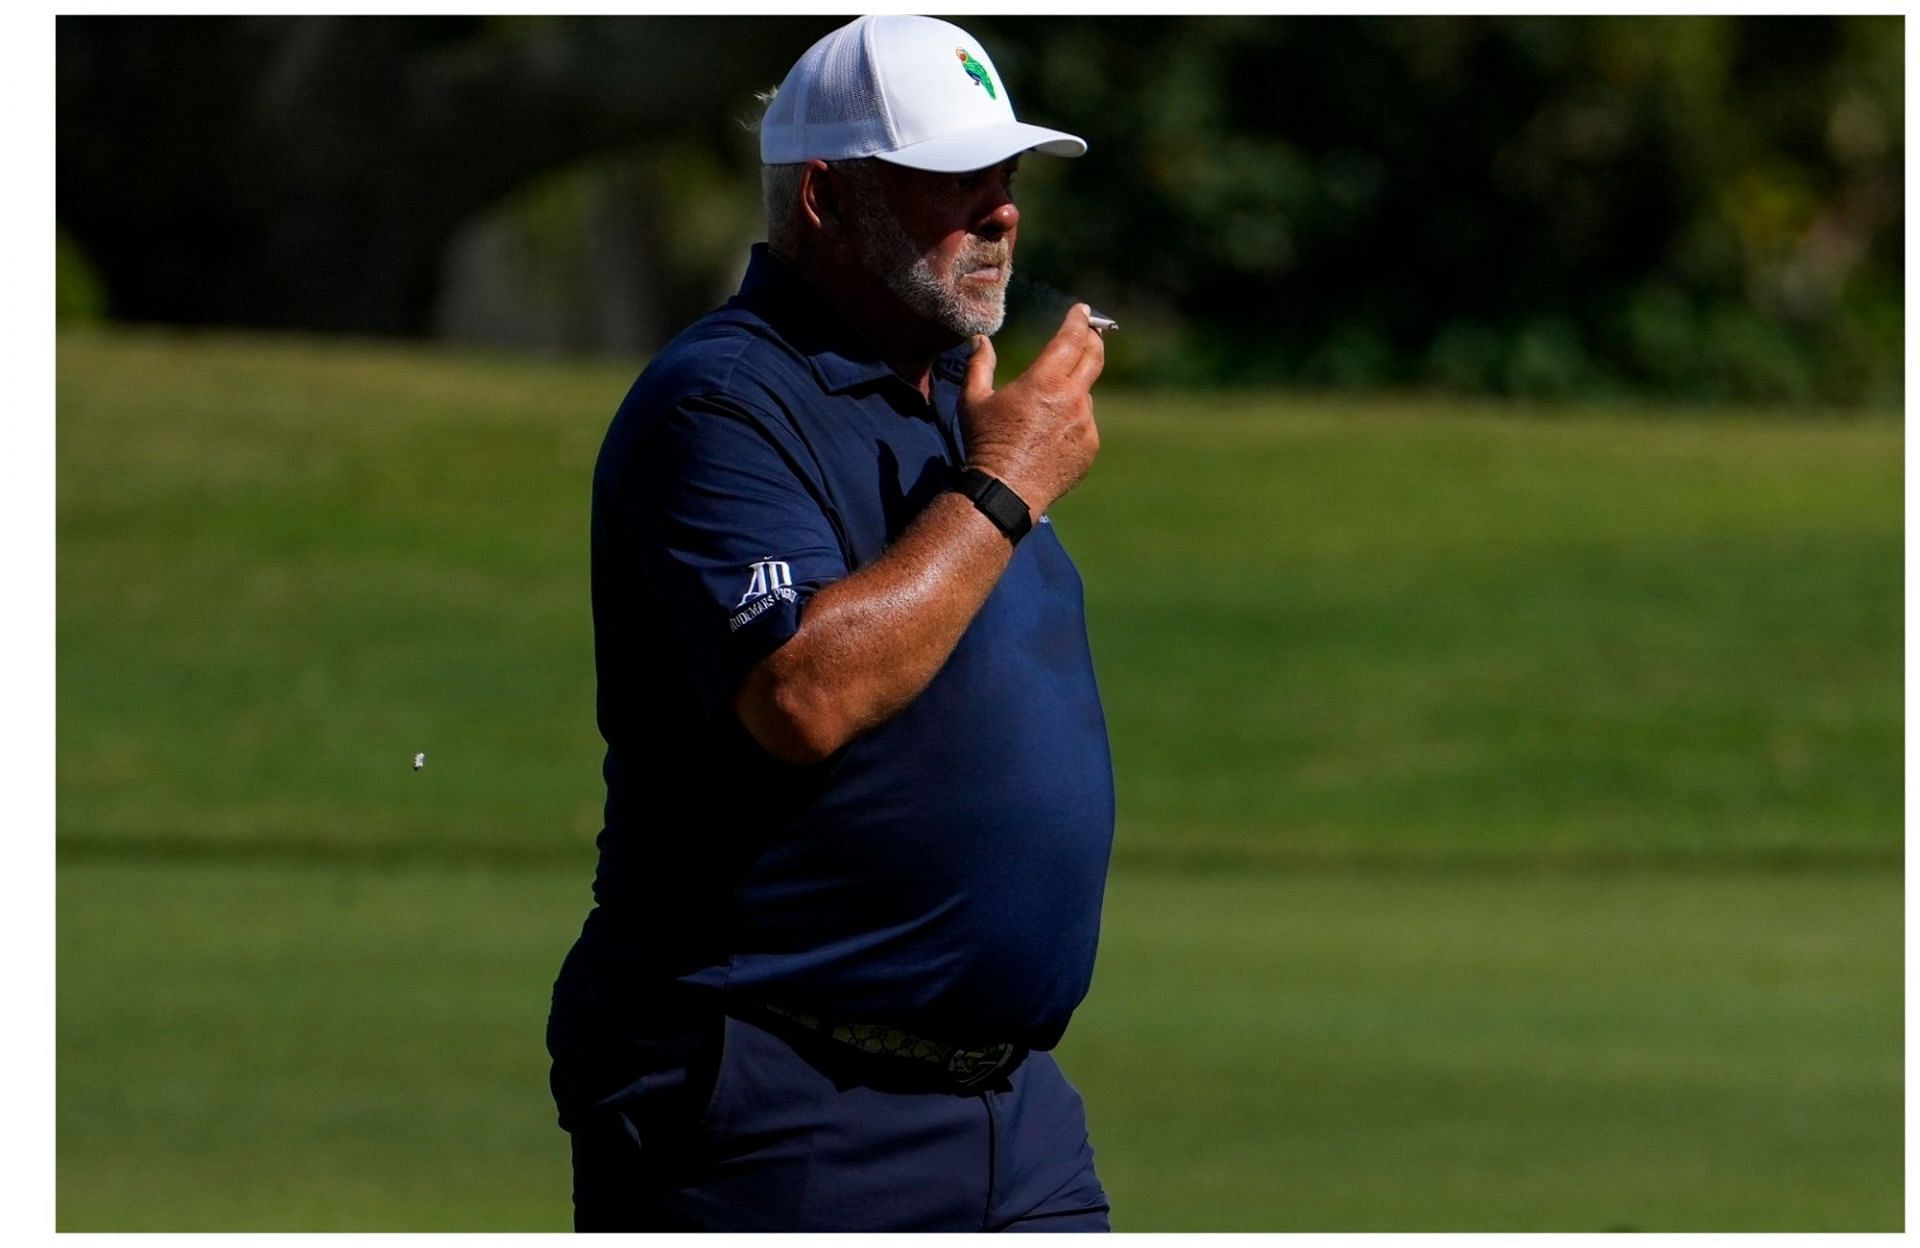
(859, 797)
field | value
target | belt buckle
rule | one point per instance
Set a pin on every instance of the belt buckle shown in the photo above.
(970, 1068)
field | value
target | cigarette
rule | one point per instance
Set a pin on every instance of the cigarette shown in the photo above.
(1100, 322)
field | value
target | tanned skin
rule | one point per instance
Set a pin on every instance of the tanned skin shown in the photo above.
(870, 643)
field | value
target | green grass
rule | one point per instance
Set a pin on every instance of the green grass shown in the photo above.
(297, 1046)
(1323, 628)
(1342, 1052)
(1353, 630)
(1510, 803)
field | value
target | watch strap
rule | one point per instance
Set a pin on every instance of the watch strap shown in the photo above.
(996, 502)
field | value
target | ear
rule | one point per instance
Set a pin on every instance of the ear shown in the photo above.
(822, 201)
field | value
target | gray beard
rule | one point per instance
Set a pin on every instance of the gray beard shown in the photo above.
(888, 254)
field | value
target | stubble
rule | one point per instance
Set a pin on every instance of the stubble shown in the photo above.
(889, 253)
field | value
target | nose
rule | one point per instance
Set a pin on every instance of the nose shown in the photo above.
(1001, 219)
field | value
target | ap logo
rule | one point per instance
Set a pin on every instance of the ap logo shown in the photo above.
(770, 576)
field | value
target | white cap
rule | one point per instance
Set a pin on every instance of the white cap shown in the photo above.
(915, 91)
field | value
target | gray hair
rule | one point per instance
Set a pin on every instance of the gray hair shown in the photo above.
(780, 194)
(779, 184)
(780, 199)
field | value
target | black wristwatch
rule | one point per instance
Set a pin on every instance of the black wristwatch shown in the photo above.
(996, 502)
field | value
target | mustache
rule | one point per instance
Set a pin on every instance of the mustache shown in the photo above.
(979, 255)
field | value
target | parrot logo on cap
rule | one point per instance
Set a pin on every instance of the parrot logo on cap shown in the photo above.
(976, 71)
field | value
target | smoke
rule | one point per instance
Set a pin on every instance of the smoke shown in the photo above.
(1040, 303)
(1037, 298)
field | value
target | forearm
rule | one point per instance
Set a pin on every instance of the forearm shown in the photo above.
(868, 644)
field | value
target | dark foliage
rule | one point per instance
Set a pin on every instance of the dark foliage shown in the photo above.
(1540, 206)
(1705, 206)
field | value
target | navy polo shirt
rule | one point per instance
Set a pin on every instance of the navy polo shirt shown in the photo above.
(944, 871)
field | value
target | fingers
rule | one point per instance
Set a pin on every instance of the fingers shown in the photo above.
(1087, 369)
(1062, 353)
(979, 383)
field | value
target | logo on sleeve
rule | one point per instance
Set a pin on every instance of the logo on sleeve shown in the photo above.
(770, 576)
(771, 581)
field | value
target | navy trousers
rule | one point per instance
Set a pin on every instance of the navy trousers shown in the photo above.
(702, 1120)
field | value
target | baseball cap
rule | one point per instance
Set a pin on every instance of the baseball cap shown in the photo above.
(915, 91)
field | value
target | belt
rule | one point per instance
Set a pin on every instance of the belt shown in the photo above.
(968, 1068)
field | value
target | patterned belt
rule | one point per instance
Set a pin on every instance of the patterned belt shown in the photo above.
(966, 1067)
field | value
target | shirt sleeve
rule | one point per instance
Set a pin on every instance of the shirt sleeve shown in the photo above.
(720, 512)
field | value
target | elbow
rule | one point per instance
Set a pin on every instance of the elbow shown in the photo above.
(789, 718)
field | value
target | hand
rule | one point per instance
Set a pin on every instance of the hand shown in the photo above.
(1036, 433)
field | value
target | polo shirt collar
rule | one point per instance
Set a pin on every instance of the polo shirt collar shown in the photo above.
(840, 354)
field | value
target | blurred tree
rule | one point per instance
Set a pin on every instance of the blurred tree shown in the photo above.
(614, 254)
(77, 294)
(308, 172)
(1702, 206)
(1709, 206)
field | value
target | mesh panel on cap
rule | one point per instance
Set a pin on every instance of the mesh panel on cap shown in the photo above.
(845, 104)
(779, 114)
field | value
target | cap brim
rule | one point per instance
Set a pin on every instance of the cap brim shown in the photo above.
(989, 145)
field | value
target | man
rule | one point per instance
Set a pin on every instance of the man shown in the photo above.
(859, 799)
